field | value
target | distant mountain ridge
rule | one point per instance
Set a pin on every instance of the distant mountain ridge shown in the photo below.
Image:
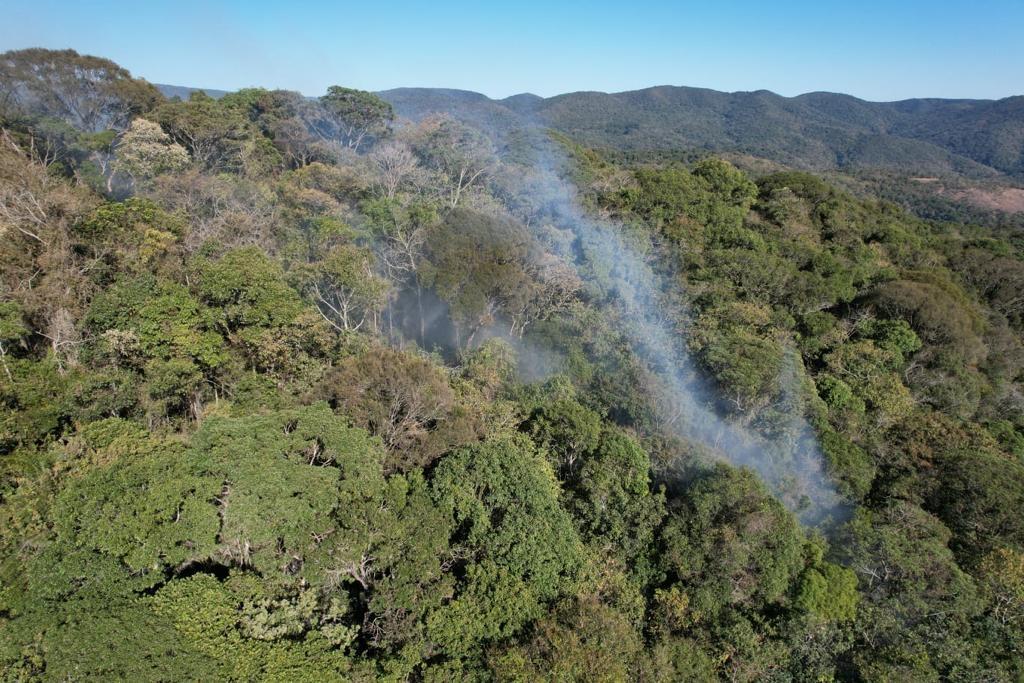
(816, 131)
(184, 92)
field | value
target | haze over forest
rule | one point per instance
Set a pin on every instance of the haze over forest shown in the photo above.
(420, 385)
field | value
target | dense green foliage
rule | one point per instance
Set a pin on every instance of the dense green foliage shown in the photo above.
(337, 397)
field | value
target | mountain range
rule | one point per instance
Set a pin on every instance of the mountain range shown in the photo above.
(817, 131)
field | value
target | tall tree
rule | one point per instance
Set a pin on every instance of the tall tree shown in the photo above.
(395, 164)
(145, 151)
(90, 93)
(211, 132)
(356, 116)
(459, 155)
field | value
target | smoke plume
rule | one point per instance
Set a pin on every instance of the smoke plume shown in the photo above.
(790, 460)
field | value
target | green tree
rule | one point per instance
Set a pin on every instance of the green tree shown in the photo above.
(404, 399)
(145, 152)
(247, 288)
(458, 154)
(478, 264)
(213, 134)
(356, 115)
(568, 431)
(12, 331)
(503, 501)
(729, 545)
(344, 287)
(90, 93)
(916, 600)
(830, 592)
(580, 641)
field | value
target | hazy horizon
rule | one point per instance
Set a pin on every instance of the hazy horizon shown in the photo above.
(578, 91)
(876, 52)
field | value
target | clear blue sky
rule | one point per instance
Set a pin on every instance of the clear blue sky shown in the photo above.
(871, 49)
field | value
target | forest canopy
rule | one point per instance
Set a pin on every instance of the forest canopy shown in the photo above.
(298, 389)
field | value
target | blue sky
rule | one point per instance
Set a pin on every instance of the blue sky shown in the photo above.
(874, 50)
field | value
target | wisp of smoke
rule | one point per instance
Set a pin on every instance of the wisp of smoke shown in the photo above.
(790, 462)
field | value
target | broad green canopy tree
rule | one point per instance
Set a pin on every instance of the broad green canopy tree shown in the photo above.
(257, 494)
(502, 498)
(356, 115)
(89, 93)
(729, 546)
(213, 134)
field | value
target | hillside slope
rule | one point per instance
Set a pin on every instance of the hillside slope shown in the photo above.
(976, 138)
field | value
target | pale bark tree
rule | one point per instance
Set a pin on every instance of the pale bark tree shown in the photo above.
(396, 164)
(345, 289)
(458, 154)
(353, 116)
(554, 287)
(90, 93)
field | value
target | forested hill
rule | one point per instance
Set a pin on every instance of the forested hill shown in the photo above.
(293, 391)
(184, 92)
(977, 138)
(814, 131)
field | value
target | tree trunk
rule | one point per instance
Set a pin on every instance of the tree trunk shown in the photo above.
(419, 307)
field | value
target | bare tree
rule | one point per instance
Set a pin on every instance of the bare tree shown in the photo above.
(39, 268)
(395, 164)
(555, 286)
(233, 210)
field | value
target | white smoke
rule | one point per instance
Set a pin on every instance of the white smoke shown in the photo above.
(790, 461)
